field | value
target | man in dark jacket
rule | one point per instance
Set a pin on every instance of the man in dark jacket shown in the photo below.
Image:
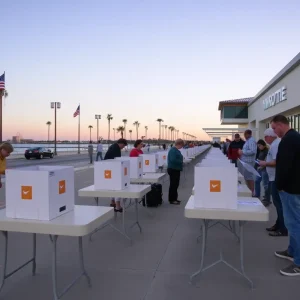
(287, 183)
(234, 147)
(115, 151)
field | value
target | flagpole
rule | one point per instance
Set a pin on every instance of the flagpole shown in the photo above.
(1, 95)
(79, 129)
(1, 92)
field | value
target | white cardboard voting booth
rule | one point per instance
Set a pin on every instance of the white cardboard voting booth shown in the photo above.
(150, 163)
(136, 166)
(215, 187)
(162, 158)
(190, 152)
(39, 192)
(184, 153)
(112, 174)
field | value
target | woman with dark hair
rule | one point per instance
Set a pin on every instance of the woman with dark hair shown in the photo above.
(137, 150)
(261, 156)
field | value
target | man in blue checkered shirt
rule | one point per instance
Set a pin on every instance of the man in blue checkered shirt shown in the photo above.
(248, 155)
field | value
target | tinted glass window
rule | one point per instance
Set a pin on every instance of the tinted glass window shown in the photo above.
(235, 112)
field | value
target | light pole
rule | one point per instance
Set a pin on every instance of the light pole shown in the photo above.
(55, 105)
(97, 117)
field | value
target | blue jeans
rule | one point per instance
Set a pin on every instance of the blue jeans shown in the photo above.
(99, 154)
(265, 179)
(291, 211)
(280, 224)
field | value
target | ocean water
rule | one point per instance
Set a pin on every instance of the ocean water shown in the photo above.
(20, 148)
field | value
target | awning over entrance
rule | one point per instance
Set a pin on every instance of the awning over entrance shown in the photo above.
(225, 132)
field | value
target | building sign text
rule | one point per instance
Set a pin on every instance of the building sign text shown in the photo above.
(275, 98)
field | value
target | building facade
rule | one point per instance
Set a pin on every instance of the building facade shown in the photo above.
(279, 96)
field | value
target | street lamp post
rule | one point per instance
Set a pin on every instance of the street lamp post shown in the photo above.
(97, 117)
(55, 106)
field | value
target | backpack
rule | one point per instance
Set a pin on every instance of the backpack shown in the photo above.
(154, 197)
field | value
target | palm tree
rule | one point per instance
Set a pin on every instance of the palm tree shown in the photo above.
(172, 128)
(48, 124)
(90, 127)
(130, 133)
(159, 122)
(146, 131)
(121, 129)
(109, 118)
(125, 122)
(4, 93)
(137, 125)
(170, 133)
(166, 132)
(114, 129)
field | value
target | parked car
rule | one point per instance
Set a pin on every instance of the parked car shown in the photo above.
(38, 152)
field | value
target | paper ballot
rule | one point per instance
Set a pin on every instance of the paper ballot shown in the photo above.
(244, 167)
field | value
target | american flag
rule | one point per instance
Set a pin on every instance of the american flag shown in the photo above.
(2, 82)
(77, 112)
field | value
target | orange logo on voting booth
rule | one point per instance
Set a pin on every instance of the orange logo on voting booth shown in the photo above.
(125, 171)
(164, 157)
(61, 186)
(107, 174)
(26, 192)
(215, 186)
(147, 162)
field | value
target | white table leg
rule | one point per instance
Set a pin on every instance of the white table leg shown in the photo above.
(54, 268)
(4, 269)
(203, 249)
(137, 215)
(221, 260)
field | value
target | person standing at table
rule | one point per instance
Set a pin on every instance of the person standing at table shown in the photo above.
(287, 183)
(137, 150)
(175, 166)
(115, 151)
(248, 155)
(90, 151)
(233, 148)
(99, 150)
(264, 178)
(5, 150)
(271, 138)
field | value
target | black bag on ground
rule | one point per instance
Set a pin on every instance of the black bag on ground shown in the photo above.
(154, 197)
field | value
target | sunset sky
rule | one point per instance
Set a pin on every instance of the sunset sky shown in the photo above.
(139, 60)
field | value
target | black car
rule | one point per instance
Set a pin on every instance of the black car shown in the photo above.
(38, 152)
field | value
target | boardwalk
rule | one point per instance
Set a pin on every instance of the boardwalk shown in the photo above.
(158, 265)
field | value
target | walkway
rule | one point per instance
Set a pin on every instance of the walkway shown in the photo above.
(158, 265)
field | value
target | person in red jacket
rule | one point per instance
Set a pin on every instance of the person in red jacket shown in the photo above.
(137, 150)
(234, 147)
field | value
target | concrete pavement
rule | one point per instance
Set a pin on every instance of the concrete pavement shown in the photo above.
(158, 264)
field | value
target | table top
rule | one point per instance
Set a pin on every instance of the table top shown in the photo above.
(249, 209)
(149, 178)
(134, 191)
(81, 221)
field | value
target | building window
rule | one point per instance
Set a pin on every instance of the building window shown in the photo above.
(294, 122)
(235, 112)
(267, 125)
